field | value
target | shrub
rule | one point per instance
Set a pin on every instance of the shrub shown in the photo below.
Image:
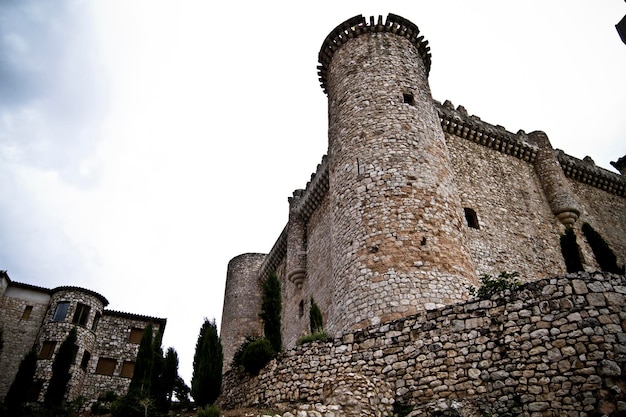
(237, 357)
(256, 355)
(490, 285)
(316, 321)
(571, 251)
(601, 250)
(209, 411)
(271, 306)
(315, 337)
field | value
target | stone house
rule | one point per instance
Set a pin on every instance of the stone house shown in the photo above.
(107, 340)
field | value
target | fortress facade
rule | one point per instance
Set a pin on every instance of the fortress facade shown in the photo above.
(41, 318)
(414, 201)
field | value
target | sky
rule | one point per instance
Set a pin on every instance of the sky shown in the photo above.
(144, 144)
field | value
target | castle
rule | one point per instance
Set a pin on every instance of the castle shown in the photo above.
(414, 201)
(108, 340)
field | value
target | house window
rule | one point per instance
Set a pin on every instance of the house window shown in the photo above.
(301, 309)
(85, 360)
(47, 350)
(96, 320)
(106, 366)
(61, 311)
(26, 313)
(135, 335)
(471, 218)
(408, 99)
(81, 314)
(32, 395)
(127, 369)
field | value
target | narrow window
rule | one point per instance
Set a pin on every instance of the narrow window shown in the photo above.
(96, 320)
(106, 366)
(135, 335)
(26, 313)
(47, 350)
(301, 309)
(127, 369)
(61, 311)
(81, 314)
(85, 360)
(32, 395)
(408, 99)
(471, 218)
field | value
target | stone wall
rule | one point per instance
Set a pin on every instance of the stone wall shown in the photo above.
(555, 345)
(20, 333)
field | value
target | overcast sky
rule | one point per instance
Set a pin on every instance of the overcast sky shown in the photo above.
(143, 144)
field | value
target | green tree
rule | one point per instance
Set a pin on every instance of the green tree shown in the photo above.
(157, 390)
(142, 374)
(16, 397)
(271, 306)
(571, 251)
(601, 250)
(182, 390)
(206, 382)
(316, 321)
(169, 373)
(61, 375)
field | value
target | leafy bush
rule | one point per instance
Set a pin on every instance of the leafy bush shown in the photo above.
(209, 411)
(316, 321)
(237, 361)
(256, 355)
(571, 251)
(315, 337)
(601, 250)
(490, 285)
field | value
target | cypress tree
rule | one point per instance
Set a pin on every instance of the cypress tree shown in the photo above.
(63, 360)
(16, 397)
(316, 321)
(270, 311)
(169, 373)
(156, 383)
(206, 382)
(571, 251)
(142, 374)
(601, 250)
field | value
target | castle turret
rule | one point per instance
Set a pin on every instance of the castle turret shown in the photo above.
(398, 246)
(555, 186)
(242, 303)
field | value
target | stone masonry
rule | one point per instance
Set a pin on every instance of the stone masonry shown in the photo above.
(554, 347)
(414, 201)
(107, 340)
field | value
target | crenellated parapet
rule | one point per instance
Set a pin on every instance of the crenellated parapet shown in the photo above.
(358, 26)
(314, 191)
(587, 172)
(459, 123)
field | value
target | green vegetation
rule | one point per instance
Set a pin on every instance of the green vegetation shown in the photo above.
(490, 285)
(571, 251)
(271, 306)
(151, 385)
(209, 411)
(256, 355)
(601, 250)
(16, 397)
(55, 395)
(206, 381)
(316, 321)
(314, 337)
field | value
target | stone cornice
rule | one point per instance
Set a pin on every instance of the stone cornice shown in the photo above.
(275, 256)
(589, 173)
(357, 26)
(459, 123)
(131, 316)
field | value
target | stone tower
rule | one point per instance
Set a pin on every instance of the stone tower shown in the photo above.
(240, 315)
(398, 246)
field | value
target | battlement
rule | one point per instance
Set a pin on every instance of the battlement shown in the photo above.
(587, 172)
(357, 26)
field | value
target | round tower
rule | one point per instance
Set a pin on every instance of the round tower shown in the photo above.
(242, 304)
(398, 246)
(70, 307)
